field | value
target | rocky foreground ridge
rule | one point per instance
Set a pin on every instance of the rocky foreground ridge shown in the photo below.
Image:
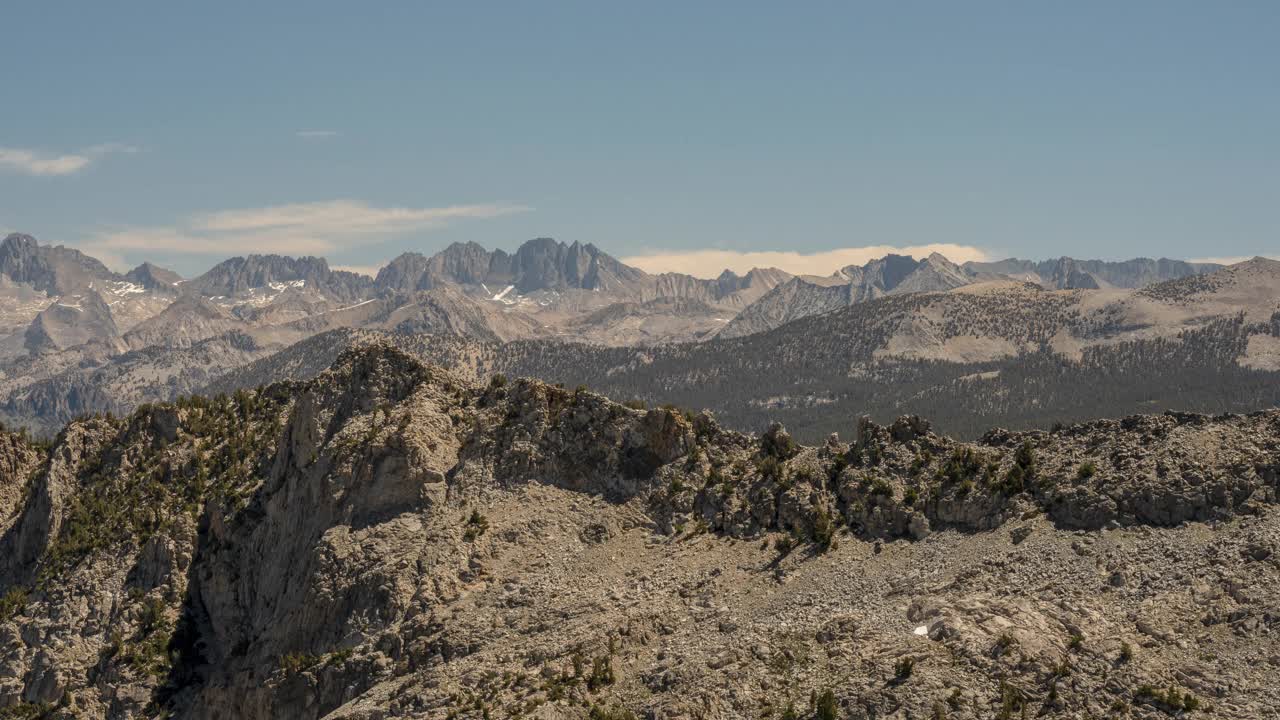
(387, 540)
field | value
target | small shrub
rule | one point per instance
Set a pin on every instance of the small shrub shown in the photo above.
(1012, 702)
(477, 524)
(296, 662)
(1004, 643)
(601, 673)
(693, 458)
(910, 496)
(26, 711)
(1126, 652)
(769, 468)
(784, 544)
(12, 604)
(903, 668)
(824, 530)
(1172, 699)
(1086, 470)
(837, 467)
(826, 707)
(778, 445)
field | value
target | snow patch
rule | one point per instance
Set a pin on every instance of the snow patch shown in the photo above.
(366, 302)
(127, 288)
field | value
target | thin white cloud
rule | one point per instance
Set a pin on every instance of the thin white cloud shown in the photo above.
(41, 164)
(370, 270)
(343, 216)
(317, 228)
(31, 162)
(317, 134)
(1232, 260)
(709, 262)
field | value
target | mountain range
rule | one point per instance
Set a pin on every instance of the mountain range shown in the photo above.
(548, 485)
(80, 338)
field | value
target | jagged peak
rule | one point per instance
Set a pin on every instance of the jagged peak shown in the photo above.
(20, 240)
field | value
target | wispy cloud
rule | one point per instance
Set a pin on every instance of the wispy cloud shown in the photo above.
(370, 270)
(317, 134)
(316, 228)
(711, 262)
(1232, 260)
(42, 164)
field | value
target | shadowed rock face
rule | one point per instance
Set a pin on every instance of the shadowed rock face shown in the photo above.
(55, 270)
(387, 540)
(72, 321)
(540, 264)
(804, 297)
(153, 277)
(1068, 273)
(240, 274)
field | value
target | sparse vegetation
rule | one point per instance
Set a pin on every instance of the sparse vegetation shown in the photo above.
(1172, 700)
(601, 673)
(826, 707)
(824, 530)
(1004, 643)
(910, 496)
(476, 526)
(12, 603)
(1013, 702)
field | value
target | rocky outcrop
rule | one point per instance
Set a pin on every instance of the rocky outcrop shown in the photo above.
(188, 320)
(17, 461)
(539, 264)
(387, 540)
(803, 297)
(153, 277)
(72, 321)
(56, 270)
(240, 274)
(1068, 273)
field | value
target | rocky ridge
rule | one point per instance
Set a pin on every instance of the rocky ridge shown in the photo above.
(388, 540)
(94, 348)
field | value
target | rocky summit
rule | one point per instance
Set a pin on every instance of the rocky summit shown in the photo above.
(389, 540)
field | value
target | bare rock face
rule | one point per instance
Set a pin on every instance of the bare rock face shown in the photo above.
(239, 274)
(387, 540)
(153, 277)
(72, 321)
(56, 270)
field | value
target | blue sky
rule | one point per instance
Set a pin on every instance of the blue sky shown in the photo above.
(185, 132)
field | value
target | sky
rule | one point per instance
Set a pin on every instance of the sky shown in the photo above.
(676, 135)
